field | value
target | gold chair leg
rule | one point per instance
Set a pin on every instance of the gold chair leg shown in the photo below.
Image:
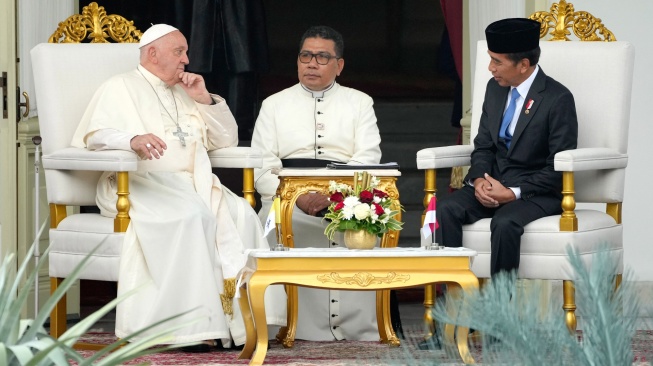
(617, 281)
(58, 314)
(569, 306)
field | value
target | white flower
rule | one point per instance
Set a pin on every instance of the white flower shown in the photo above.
(362, 211)
(374, 182)
(376, 199)
(333, 186)
(351, 201)
(347, 212)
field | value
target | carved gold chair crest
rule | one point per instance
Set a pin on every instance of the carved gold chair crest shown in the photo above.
(563, 19)
(94, 24)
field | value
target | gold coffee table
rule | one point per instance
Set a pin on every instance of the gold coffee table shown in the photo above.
(344, 269)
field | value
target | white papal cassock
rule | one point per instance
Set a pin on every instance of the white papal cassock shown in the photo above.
(337, 124)
(187, 236)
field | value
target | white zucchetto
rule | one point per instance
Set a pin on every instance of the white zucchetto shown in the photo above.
(155, 32)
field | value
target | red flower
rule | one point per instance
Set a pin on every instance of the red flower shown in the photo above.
(337, 197)
(378, 209)
(380, 194)
(366, 196)
(339, 206)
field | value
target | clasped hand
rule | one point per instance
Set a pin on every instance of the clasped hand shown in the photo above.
(491, 193)
(312, 203)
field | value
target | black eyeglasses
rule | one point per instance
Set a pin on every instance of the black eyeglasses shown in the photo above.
(322, 58)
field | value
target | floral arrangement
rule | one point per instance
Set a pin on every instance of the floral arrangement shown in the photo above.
(362, 207)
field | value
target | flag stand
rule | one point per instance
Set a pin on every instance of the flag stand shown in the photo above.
(429, 226)
(276, 206)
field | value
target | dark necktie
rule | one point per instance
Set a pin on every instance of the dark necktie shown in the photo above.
(504, 132)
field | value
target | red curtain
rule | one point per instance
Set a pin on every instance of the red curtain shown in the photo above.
(453, 18)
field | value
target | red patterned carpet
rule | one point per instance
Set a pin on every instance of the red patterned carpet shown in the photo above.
(306, 353)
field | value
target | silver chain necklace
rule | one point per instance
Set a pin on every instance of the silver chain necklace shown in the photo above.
(179, 133)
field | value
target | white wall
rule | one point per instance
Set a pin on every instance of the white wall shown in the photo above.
(629, 20)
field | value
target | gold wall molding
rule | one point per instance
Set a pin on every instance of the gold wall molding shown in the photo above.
(363, 279)
(94, 24)
(563, 19)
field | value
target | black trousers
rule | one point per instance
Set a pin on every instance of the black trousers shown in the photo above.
(507, 226)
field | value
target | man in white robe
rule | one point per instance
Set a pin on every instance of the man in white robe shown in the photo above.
(188, 233)
(309, 124)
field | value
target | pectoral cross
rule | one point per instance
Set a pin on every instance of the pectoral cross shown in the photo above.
(180, 135)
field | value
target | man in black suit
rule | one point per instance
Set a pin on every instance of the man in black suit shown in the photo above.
(527, 118)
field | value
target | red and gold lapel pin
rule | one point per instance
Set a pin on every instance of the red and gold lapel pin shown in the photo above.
(528, 106)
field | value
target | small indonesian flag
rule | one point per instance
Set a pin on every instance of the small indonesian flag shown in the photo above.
(274, 216)
(430, 222)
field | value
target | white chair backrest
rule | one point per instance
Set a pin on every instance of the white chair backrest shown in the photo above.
(66, 76)
(599, 75)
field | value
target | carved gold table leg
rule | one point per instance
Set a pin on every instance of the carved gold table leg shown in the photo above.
(250, 329)
(291, 326)
(429, 301)
(386, 332)
(465, 282)
(257, 302)
(453, 335)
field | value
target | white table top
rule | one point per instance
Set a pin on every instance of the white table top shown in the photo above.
(360, 253)
(324, 172)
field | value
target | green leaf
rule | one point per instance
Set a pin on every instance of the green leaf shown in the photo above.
(26, 342)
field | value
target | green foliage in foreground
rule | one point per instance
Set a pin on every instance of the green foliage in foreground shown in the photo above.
(517, 331)
(25, 341)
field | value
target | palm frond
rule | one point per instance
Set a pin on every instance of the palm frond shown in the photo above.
(25, 341)
(516, 330)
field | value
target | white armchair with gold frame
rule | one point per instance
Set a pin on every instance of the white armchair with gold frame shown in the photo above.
(599, 75)
(66, 77)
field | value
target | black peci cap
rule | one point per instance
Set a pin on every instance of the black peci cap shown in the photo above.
(513, 35)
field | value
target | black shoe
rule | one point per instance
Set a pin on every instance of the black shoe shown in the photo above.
(432, 343)
(197, 348)
(233, 347)
(491, 341)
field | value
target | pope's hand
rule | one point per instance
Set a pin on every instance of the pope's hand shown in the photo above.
(194, 85)
(148, 146)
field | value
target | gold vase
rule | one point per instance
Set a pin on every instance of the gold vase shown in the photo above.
(359, 239)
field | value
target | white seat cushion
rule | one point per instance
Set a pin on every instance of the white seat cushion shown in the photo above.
(544, 247)
(75, 237)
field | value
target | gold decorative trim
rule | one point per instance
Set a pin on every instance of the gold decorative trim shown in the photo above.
(94, 24)
(563, 17)
(363, 279)
(308, 184)
(227, 296)
(456, 177)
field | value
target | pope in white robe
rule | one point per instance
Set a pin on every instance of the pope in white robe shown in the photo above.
(187, 236)
(319, 119)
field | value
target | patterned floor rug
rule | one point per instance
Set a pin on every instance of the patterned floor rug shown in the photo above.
(305, 353)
